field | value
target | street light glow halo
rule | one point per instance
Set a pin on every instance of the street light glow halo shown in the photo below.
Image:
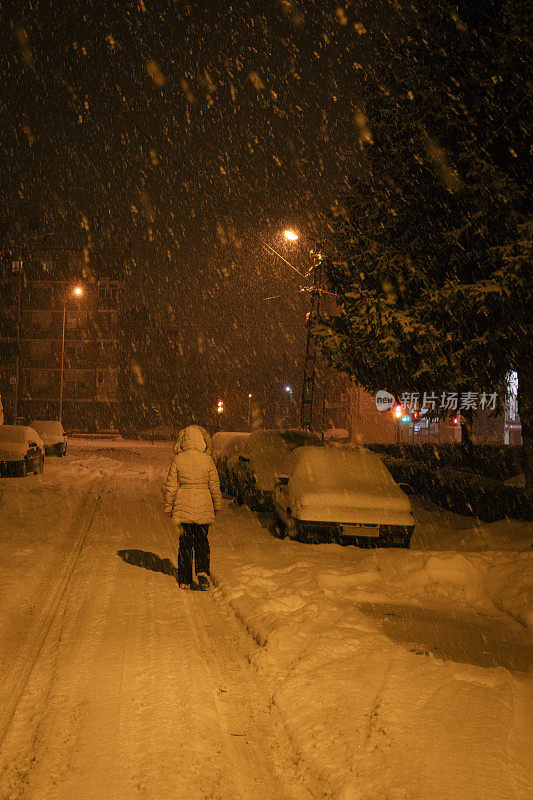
(292, 236)
(78, 291)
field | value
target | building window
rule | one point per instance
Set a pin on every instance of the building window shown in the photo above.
(40, 350)
(108, 295)
(107, 378)
(41, 320)
(40, 296)
(40, 382)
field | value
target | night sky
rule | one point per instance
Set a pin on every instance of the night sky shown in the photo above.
(178, 134)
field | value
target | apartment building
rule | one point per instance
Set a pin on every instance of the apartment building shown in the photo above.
(59, 332)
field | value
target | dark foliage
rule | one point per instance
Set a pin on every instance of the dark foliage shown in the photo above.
(430, 249)
(462, 491)
(492, 461)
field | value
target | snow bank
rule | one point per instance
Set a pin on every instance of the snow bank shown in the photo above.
(374, 715)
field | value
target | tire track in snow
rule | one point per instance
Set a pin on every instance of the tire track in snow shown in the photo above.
(251, 748)
(15, 683)
(138, 687)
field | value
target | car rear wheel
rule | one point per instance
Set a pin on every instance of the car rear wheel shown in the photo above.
(292, 531)
(253, 502)
(278, 527)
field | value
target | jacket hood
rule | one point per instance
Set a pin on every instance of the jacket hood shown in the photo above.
(192, 438)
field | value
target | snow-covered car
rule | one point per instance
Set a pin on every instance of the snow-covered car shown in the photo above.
(336, 436)
(53, 436)
(226, 448)
(262, 459)
(21, 450)
(341, 494)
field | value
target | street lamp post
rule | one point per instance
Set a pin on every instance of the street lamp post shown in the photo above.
(249, 409)
(288, 391)
(78, 291)
(17, 365)
(309, 376)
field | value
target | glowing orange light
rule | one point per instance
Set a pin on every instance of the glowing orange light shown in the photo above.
(78, 291)
(291, 236)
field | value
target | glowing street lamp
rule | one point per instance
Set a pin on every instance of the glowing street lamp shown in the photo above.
(76, 292)
(290, 236)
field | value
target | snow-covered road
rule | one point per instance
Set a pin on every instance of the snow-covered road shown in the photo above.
(367, 674)
(137, 689)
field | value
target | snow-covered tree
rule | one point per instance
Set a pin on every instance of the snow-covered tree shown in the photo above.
(430, 249)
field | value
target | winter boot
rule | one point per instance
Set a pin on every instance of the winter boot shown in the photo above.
(203, 582)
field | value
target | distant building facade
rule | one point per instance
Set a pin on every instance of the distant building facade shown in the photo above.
(43, 324)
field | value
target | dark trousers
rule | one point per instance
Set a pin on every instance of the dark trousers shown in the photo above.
(193, 541)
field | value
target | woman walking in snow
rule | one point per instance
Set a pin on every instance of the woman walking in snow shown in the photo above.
(192, 498)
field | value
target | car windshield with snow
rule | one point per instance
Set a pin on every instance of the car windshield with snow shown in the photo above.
(261, 461)
(341, 494)
(227, 445)
(53, 436)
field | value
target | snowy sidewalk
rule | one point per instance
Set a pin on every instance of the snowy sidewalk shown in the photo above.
(379, 659)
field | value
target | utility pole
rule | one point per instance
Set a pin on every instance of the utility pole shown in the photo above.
(309, 376)
(78, 292)
(17, 362)
(62, 363)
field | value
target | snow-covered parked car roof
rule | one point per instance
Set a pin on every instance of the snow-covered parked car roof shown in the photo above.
(15, 439)
(336, 435)
(50, 430)
(226, 443)
(342, 484)
(269, 449)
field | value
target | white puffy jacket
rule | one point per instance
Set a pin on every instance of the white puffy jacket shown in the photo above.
(192, 490)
